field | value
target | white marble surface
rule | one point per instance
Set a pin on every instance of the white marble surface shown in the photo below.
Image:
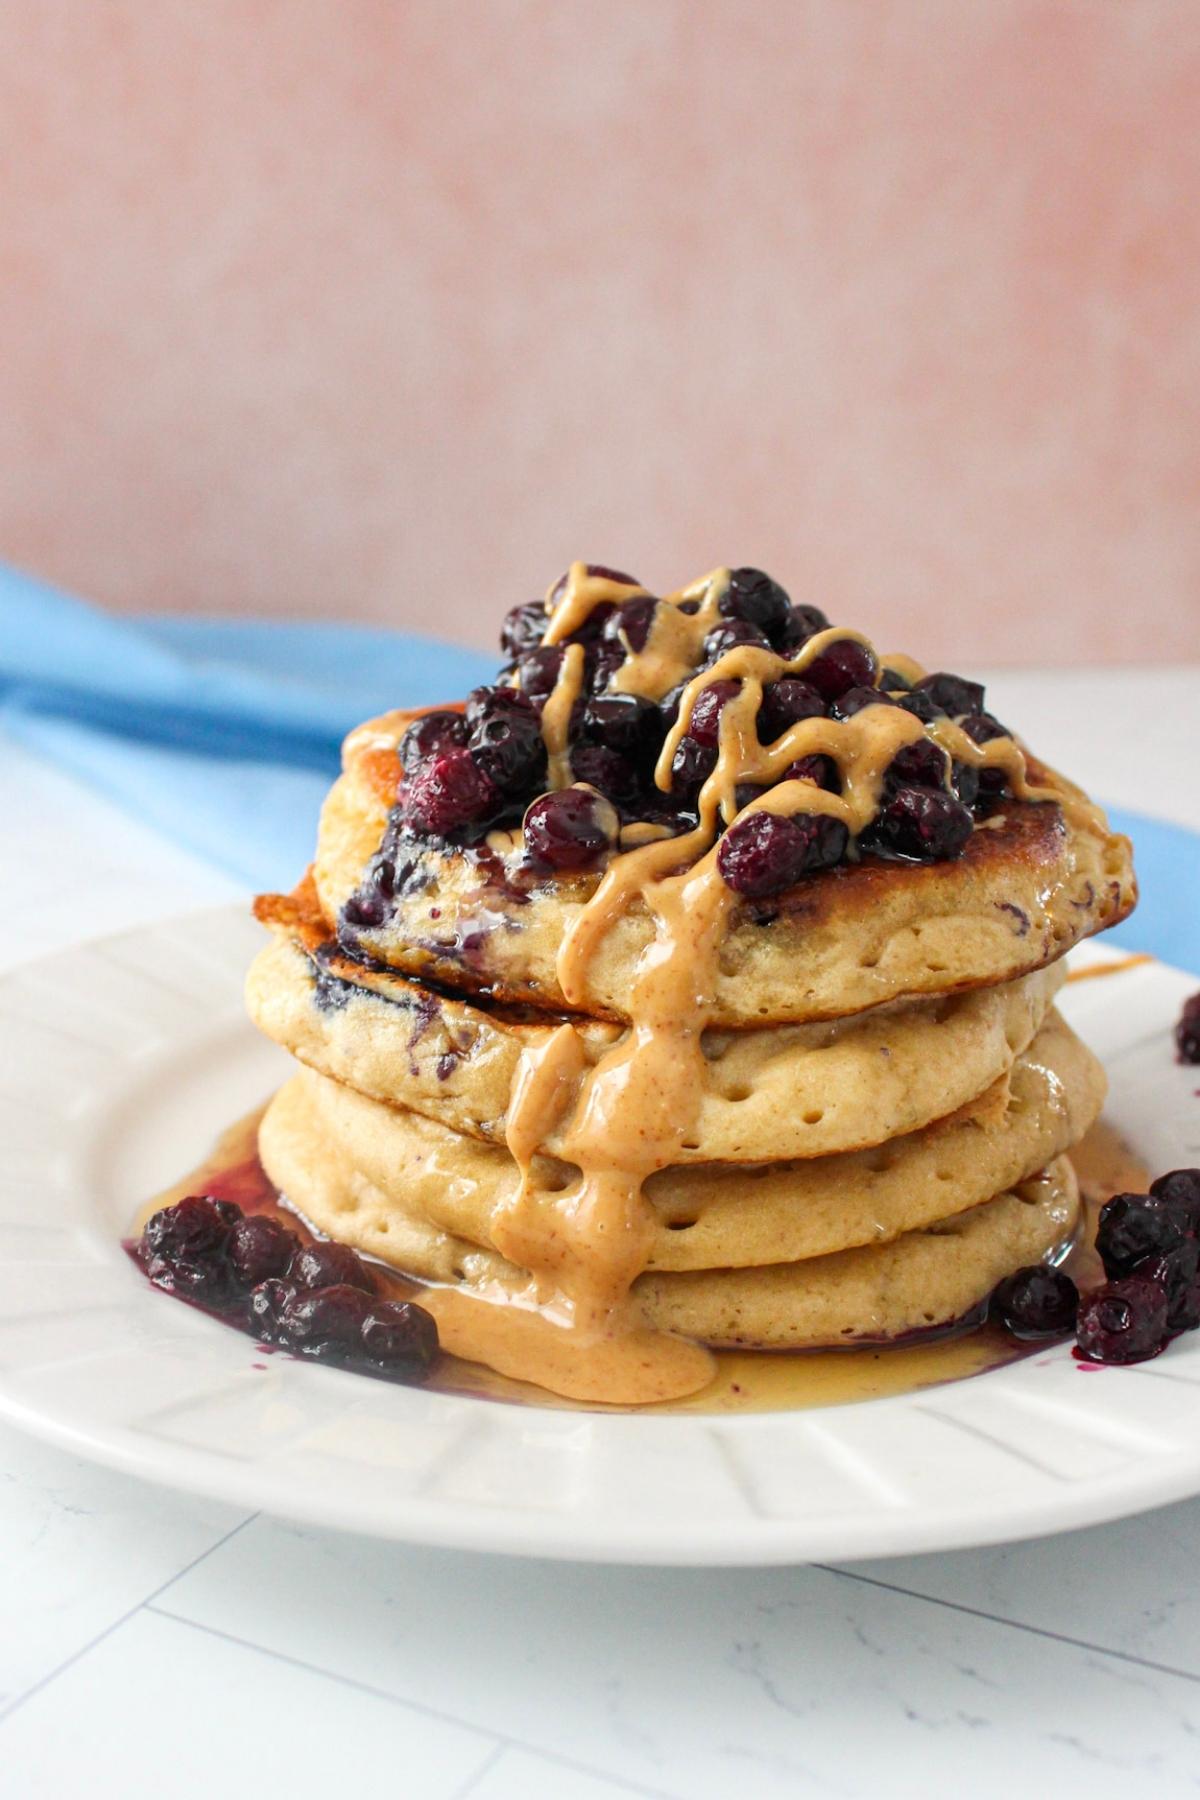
(158, 1645)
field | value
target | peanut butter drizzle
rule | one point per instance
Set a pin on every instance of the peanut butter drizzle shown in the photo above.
(577, 1328)
(1118, 967)
(556, 717)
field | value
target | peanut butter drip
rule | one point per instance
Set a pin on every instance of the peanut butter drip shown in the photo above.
(556, 716)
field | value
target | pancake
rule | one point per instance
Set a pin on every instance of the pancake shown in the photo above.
(1031, 883)
(917, 1281)
(393, 1170)
(788, 1091)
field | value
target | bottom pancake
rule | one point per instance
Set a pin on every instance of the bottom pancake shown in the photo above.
(920, 1280)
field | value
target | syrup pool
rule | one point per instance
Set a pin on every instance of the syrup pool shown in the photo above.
(745, 1381)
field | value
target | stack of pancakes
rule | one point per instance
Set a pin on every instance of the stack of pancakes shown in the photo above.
(887, 1098)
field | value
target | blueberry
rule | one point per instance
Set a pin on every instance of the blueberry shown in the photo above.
(567, 830)
(919, 705)
(1036, 1302)
(921, 825)
(628, 627)
(398, 1335)
(622, 722)
(185, 1248)
(1182, 1188)
(855, 699)
(1133, 1227)
(427, 735)
(447, 793)
(982, 728)
(764, 853)
(523, 629)
(1187, 1031)
(821, 769)
(754, 597)
(786, 703)
(260, 1248)
(952, 694)
(842, 665)
(964, 780)
(538, 671)
(1176, 1272)
(615, 776)
(894, 681)
(266, 1307)
(804, 623)
(1123, 1322)
(704, 726)
(506, 739)
(194, 1227)
(729, 635)
(326, 1320)
(330, 1265)
(923, 764)
(691, 767)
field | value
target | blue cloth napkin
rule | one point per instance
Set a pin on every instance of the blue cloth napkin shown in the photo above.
(225, 735)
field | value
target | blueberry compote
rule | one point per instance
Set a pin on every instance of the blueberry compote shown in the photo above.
(234, 1250)
(485, 769)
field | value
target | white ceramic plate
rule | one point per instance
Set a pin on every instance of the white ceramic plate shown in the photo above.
(122, 1061)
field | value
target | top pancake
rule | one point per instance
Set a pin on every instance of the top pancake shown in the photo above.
(1030, 884)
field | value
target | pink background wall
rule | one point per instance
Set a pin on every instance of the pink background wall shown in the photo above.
(388, 308)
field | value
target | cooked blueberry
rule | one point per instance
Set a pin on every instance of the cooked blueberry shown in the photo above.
(1133, 1227)
(923, 764)
(1176, 1273)
(1182, 1188)
(568, 830)
(327, 1319)
(894, 681)
(523, 629)
(427, 735)
(539, 670)
(668, 706)
(266, 1307)
(952, 694)
(704, 726)
(982, 728)
(729, 635)
(506, 739)
(921, 824)
(327, 1265)
(1036, 1302)
(622, 722)
(397, 1335)
(1187, 1031)
(691, 767)
(614, 775)
(764, 853)
(260, 1248)
(628, 627)
(754, 597)
(192, 1229)
(855, 699)
(821, 769)
(786, 703)
(919, 705)
(447, 793)
(842, 665)
(1122, 1322)
(804, 623)
(965, 782)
